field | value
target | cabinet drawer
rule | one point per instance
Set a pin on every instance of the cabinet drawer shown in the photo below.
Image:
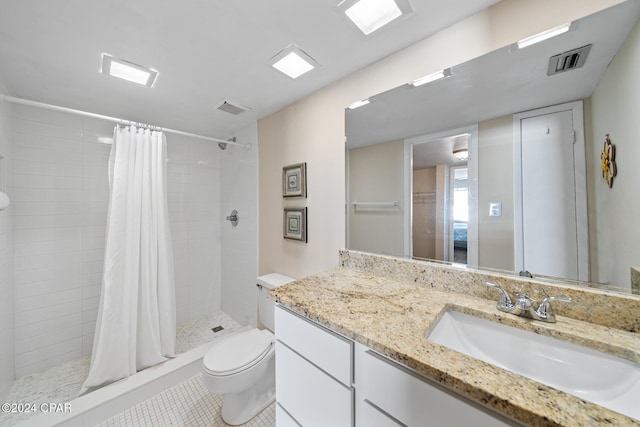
(309, 395)
(410, 399)
(325, 349)
(368, 415)
(283, 419)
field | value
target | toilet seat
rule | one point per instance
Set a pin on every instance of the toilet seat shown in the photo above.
(238, 352)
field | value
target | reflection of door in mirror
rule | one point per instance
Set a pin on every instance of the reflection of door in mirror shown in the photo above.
(440, 210)
(551, 157)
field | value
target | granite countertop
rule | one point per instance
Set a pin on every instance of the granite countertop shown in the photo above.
(392, 316)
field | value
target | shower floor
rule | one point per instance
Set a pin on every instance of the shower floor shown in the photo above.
(61, 383)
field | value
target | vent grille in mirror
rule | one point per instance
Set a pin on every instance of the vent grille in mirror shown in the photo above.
(569, 60)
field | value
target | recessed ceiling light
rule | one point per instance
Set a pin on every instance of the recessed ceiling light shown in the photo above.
(293, 62)
(537, 38)
(358, 104)
(432, 77)
(370, 15)
(128, 70)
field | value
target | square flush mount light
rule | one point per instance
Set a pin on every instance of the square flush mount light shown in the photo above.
(537, 38)
(370, 15)
(128, 71)
(293, 62)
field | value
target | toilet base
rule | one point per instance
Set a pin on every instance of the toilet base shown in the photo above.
(238, 408)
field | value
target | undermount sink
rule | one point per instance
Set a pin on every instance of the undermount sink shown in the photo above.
(591, 375)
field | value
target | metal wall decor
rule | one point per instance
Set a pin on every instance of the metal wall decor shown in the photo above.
(294, 180)
(608, 161)
(295, 224)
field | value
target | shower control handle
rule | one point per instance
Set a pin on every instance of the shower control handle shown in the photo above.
(233, 218)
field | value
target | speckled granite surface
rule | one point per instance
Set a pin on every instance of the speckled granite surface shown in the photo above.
(392, 312)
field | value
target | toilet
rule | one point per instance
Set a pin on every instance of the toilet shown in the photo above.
(241, 366)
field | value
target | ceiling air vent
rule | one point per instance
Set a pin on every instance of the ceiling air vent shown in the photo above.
(568, 61)
(230, 108)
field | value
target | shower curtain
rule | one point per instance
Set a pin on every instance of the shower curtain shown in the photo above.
(136, 325)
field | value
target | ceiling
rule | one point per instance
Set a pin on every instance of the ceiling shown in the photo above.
(206, 52)
(502, 82)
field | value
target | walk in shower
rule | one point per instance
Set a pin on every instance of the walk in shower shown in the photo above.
(53, 233)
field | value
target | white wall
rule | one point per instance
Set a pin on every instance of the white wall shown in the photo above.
(615, 110)
(312, 130)
(495, 185)
(239, 177)
(6, 253)
(376, 174)
(61, 200)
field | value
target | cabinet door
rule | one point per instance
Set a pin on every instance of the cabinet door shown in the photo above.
(411, 400)
(308, 394)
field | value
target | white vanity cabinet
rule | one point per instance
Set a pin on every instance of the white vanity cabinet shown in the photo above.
(314, 374)
(323, 379)
(389, 394)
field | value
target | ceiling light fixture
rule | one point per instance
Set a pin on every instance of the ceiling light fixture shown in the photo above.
(358, 104)
(128, 71)
(429, 78)
(461, 153)
(537, 38)
(370, 15)
(293, 62)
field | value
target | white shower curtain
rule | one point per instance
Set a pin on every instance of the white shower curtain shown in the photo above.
(136, 325)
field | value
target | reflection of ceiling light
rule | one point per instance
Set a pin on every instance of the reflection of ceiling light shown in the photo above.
(537, 38)
(358, 104)
(128, 70)
(429, 78)
(461, 153)
(370, 15)
(293, 62)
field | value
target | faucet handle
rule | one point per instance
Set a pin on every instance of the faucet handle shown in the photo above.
(505, 300)
(544, 309)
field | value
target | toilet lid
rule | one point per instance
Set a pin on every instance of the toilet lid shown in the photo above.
(238, 352)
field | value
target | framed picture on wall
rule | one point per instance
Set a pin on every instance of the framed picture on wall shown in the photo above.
(294, 180)
(295, 224)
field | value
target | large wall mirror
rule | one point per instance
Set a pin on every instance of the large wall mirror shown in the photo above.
(498, 164)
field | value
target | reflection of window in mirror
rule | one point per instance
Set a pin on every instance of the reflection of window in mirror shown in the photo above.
(459, 214)
(3, 187)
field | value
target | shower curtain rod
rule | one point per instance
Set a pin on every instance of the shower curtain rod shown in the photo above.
(30, 103)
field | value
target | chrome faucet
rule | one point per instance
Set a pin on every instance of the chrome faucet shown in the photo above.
(523, 305)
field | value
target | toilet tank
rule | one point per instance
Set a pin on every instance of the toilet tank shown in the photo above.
(266, 305)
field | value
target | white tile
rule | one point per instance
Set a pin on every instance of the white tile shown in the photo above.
(46, 208)
(60, 168)
(26, 113)
(40, 301)
(48, 182)
(50, 313)
(46, 155)
(62, 274)
(47, 221)
(30, 262)
(48, 247)
(48, 142)
(47, 195)
(49, 129)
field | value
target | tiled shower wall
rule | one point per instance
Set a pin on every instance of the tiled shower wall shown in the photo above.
(60, 206)
(240, 254)
(6, 252)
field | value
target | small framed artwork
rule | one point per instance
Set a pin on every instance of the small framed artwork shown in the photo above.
(294, 180)
(295, 224)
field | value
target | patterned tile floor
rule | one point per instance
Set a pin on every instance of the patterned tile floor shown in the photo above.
(61, 383)
(186, 404)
